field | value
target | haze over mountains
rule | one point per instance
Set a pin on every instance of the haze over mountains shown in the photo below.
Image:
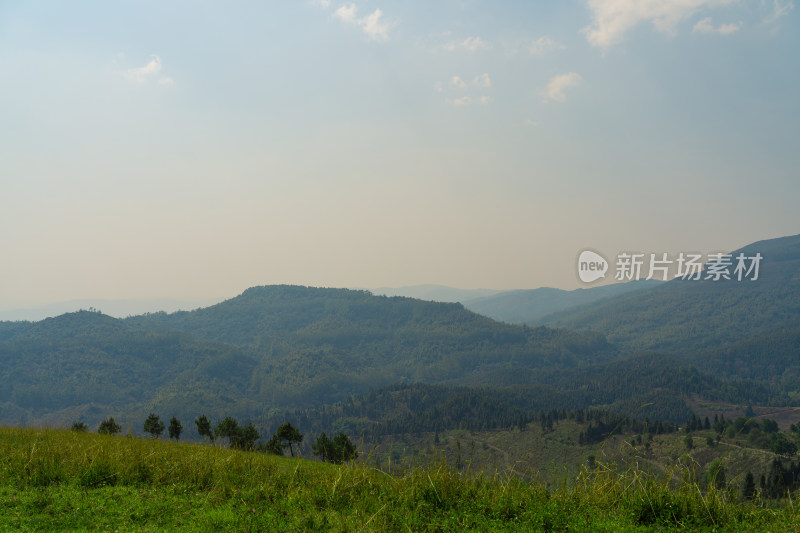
(516, 306)
(533, 305)
(649, 351)
(115, 308)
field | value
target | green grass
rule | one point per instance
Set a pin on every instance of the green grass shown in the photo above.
(61, 480)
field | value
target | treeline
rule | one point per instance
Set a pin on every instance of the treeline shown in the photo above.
(337, 450)
(421, 408)
(603, 425)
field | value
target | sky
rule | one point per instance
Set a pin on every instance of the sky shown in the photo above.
(191, 149)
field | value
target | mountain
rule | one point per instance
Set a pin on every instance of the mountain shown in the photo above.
(436, 293)
(270, 347)
(686, 316)
(530, 306)
(322, 343)
(88, 365)
(677, 345)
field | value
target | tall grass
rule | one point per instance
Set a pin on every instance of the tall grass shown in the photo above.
(206, 487)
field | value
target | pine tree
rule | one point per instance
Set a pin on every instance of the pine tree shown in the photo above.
(323, 447)
(288, 434)
(204, 427)
(154, 425)
(227, 428)
(108, 427)
(175, 428)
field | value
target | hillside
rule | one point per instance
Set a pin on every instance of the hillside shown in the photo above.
(60, 480)
(531, 306)
(85, 365)
(271, 347)
(327, 343)
(685, 317)
(279, 348)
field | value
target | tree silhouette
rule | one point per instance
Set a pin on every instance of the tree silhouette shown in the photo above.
(154, 425)
(323, 447)
(175, 428)
(227, 428)
(245, 438)
(343, 449)
(108, 427)
(338, 450)
(204, 427)
(288, 434)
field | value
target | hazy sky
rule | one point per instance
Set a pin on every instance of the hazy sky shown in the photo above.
(190, 150)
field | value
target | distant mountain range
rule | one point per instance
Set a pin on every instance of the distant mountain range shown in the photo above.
(532, 306)
(291, 347)
(522, 306)
(271, 347)
(683, 316)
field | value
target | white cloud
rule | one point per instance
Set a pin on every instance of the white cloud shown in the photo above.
(457, 87)
(780, 8)
(141, 74)
(458, 83)
(459, 102)
(705, 26)
(529, 122)
(166, 81)
(612, 18)
(346, 13)
(373, 25)
(467, 101)
(474, 44)
(542, 45)
(324, 4)
(483, 80)
(470, 44)
(558, 84)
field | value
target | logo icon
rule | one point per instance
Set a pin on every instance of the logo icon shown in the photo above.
(591, 266)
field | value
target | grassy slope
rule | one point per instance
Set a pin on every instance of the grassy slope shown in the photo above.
(52, 479)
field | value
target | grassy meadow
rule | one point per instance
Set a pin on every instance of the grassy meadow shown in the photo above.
(64, 480)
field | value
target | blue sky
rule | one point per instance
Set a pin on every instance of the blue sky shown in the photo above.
(190, 150)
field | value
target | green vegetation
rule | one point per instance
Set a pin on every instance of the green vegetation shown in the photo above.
(108, 427)
(52, 479)
(531, 306)
(175, 428)
(154, 426)
(339, 450)
(687, 317)
(277, 348)
(271, 347)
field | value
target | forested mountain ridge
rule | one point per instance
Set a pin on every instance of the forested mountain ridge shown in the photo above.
(270, 347)
(687, 316)
(531, 306)
(282, 347)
